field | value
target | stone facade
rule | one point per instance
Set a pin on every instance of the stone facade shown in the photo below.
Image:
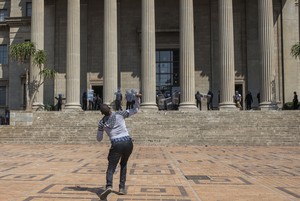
(169, 31)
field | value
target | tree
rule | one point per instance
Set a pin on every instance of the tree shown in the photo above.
(23, 53)
(295, 50)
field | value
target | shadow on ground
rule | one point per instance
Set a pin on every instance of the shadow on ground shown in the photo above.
(96, 191)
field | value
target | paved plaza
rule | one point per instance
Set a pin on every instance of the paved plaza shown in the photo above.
(155, 173)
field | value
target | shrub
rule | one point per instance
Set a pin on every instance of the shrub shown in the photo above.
(289, 106)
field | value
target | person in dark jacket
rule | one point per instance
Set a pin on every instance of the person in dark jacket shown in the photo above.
(249, 101)
(295, 101)
(59, 102)
(198, 100)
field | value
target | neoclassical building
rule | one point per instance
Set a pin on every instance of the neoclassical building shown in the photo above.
(150, 45)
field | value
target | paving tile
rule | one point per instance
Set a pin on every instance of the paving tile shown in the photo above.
(155, 173)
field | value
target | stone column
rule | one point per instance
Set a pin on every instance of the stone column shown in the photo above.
(187, 56)
(110, 58)
(37, 37)
(266, 48)
(73, 56)
(226, 55)
(148, 55)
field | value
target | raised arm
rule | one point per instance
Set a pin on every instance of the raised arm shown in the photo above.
(100, 131)
(134, 110)
(136, 105)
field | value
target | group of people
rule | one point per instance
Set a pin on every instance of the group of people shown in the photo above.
(209, 97)
(91, 103)
(130, 97)
(249, 100)
(96, 101)
(166, 100)
(237, 98)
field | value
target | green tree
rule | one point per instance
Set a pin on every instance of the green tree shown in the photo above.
(23, 53)
(295, 50)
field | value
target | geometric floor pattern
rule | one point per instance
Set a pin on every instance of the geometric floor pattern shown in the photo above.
(155, 173)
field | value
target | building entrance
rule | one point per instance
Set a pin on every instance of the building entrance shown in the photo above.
(98, 90)
(167, 79)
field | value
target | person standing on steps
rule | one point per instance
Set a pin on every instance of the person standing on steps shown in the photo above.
(237, 99)
(210, 97)
(113, 123)
(59, 102)
(295, 101)
(249, 101)
(198, 99)
(119, 98)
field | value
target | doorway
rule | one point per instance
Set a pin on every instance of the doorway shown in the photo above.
(98, 90)
(167, 79)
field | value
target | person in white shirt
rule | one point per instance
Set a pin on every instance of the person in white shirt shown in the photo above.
(113, 123)
(237, 99)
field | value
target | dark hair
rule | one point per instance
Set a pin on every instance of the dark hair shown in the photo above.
(105, 109)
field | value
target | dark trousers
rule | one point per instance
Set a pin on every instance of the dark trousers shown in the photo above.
(118, 105)
(198, 104)
(58, 106)
(118, 150)
(249, 106)
(128, 105)
(209, 106)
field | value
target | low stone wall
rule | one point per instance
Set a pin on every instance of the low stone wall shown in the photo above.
(21, 118)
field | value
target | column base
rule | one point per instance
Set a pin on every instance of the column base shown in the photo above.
(228, 106)
(73, 107)
(187, 107)
(149, 107)
(268, 106)
(37, 106)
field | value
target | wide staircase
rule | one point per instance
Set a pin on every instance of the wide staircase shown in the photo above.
(264, 128)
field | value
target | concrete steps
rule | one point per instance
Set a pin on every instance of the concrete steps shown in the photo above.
(163, 127)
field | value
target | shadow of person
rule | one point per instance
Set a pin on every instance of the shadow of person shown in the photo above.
(96, 191)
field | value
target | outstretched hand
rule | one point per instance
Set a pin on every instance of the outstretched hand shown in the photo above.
(138, 95)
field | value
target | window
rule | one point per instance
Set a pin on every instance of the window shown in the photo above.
(28, 9)
(167, 73)
(167, 68)
(3, 14)
(2, 96)
(3, 54)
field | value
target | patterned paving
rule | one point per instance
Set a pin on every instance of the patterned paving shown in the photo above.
(155, 173)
